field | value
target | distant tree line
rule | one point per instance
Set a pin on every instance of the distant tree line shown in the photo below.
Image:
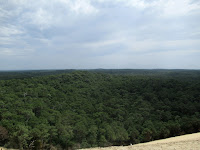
(87, 109)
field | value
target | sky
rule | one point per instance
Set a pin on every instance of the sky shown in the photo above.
(90, 34)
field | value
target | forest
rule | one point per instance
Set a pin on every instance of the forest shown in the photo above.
(72, 109)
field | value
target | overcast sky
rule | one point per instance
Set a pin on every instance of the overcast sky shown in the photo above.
(87, 34)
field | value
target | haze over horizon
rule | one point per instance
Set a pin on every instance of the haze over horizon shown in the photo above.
(90, 34)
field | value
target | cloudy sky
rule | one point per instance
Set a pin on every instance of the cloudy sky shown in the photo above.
(87, 34)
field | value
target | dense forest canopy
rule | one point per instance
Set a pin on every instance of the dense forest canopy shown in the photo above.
(79, 109)
(175, 73)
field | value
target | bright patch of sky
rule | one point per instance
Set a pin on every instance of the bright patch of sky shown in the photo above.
(87, 34)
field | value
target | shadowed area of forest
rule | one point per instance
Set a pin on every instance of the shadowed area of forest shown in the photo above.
(81, 109)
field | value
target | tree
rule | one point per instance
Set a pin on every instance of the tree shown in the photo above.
(134, 135)
(146, 135)
(3, 135)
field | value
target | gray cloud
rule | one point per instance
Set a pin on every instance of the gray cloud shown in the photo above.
(99, 34)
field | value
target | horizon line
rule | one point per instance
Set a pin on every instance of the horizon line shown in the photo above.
(96, 69)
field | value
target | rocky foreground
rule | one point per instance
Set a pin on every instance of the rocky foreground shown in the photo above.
(186, 142)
